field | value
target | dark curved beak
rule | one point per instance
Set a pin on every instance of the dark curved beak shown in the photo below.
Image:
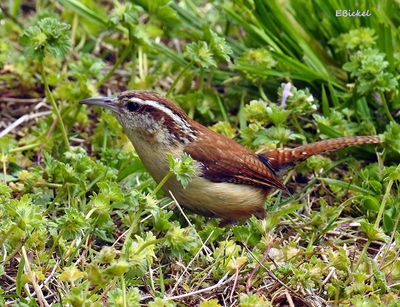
(105, 102)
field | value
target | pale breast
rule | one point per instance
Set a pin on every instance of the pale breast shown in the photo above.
(153, 154)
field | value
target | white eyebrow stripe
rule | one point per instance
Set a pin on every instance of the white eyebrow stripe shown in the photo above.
(134, 99)
(181, 122)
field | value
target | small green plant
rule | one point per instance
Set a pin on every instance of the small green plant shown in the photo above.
(369, 67)
(48, 37)
(204, 55)
(182, 168)
(85, 224)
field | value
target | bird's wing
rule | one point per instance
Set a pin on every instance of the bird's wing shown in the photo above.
(224, 160)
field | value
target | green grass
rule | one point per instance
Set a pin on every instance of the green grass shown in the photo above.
(82, 222)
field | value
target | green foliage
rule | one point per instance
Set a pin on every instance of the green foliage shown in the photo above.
(47, 36)
(71, 274)
(257, 58)
(301, 101)
(258, 112)
(181, 240)
(224, 128)
(253, 300)
(20, 219)
(355, 39)
(158, 302)
(125, 13)
(201, 54)
(88, 67)
(210, 303)
(182, 168)
(391, 137)
(81, 218)
(117, 297)
(370, 70)
(71, 223)
(373, 234)
(4, 51)
(140, 253)
(159, 9)
(219, 47)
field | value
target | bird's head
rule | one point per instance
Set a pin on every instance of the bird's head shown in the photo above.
(147, 113)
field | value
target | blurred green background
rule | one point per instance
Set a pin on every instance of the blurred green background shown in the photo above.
(80, 221)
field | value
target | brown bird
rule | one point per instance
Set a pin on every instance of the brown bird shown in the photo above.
(231, 181)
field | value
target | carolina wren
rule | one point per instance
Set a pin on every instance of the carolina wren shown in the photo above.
(231, 182)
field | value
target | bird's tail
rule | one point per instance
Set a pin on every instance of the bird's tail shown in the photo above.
(281, 158)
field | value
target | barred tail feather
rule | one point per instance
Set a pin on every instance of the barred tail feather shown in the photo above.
(280, 158)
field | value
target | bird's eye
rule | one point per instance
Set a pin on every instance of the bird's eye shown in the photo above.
(132, 106)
